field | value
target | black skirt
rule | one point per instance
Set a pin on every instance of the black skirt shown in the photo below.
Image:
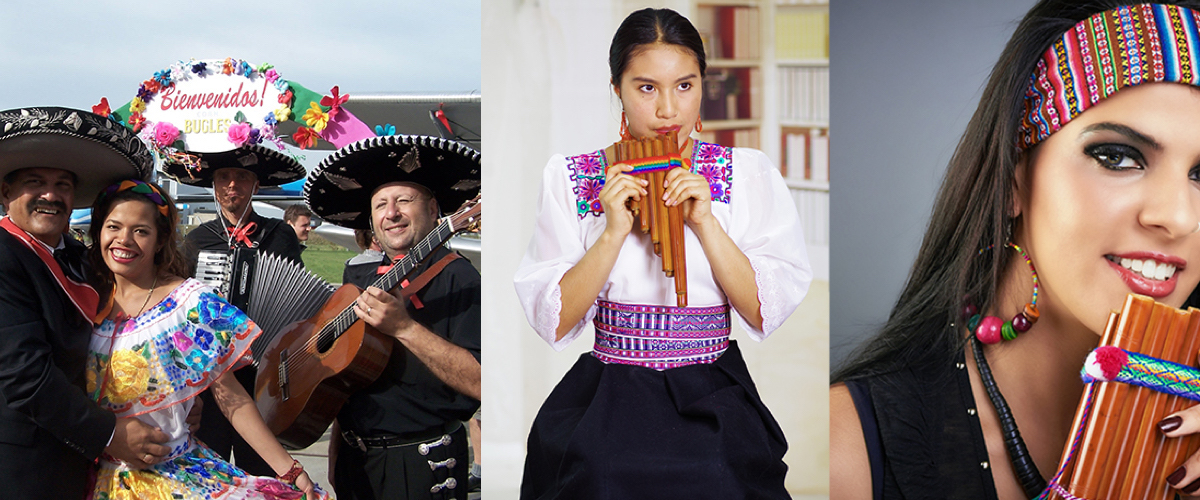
(613, 431)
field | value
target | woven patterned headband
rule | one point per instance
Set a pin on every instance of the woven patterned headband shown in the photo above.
(1104, 53)
(150, 191)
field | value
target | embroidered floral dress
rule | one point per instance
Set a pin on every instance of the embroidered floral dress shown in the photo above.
(749, 200)
(151, 367)
(692, 425)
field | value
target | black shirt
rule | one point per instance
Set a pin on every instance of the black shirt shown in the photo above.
(408, 398)
(270, 236)
(925, 443)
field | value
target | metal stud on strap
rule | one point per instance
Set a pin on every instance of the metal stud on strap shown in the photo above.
(448, 463)
(424, 448)
(448, 484)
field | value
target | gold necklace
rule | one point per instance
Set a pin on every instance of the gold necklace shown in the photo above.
(148, 295)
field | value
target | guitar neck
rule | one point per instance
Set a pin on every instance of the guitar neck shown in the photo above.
(417, 254)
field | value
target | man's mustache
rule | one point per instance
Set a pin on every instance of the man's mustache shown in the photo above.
(52, 205)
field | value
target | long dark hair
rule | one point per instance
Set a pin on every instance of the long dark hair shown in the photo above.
(648, 26)
(167, 261)
(972, 207)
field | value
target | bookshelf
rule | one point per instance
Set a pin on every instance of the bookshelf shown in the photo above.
(767, 87)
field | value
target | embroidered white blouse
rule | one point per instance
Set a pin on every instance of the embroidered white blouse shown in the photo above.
(750, 201)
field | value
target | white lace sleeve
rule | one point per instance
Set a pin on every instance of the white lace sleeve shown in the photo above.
(766, 227)
(556, 246)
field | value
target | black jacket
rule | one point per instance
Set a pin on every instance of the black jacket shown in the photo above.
(50, 430)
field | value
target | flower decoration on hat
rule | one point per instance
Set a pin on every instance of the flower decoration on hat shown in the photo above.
(136, 122)
(165, 134)
(305, 137)
(335, 102)
(102, 109)
(385, 129)
(315, 117)
(178, 111)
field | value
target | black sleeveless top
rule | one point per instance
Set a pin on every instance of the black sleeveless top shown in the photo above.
(923, 436)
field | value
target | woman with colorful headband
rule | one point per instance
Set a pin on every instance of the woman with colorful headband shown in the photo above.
(1083, 159)
(160, 340)
(663, 407)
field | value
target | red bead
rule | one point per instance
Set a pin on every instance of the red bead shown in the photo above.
(1020, 323)
(989, 330)
(969, 310)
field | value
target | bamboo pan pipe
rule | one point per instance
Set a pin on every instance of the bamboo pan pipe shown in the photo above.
(651, 215)
(1122, 455)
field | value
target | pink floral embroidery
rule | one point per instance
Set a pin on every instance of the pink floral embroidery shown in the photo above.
(712, 161)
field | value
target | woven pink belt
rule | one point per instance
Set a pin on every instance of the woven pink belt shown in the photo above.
(660, 337)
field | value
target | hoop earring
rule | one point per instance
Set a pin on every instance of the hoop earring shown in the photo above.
(625, 135)
(991, 329)
(699, 125)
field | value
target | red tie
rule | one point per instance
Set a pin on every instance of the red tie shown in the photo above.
(242, 234)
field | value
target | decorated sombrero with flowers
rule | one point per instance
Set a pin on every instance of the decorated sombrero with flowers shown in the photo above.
(273, 167)
(193, 112)
(339, 189)
(98, 150)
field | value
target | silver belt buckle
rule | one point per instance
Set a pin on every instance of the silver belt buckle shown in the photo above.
(424, 448)
(354, 440)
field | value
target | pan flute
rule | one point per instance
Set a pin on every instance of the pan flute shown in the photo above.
(1116, 451)
(651, 159)
(273, 291)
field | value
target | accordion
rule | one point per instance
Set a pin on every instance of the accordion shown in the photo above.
(273, 291)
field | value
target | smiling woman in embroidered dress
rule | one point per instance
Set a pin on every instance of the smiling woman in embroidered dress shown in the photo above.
(160, 341)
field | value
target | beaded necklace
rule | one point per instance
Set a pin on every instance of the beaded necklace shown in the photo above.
(1027, 472)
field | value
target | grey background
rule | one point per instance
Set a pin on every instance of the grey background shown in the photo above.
(907, 75)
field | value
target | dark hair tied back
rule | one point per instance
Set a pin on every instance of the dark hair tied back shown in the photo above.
(649, 26)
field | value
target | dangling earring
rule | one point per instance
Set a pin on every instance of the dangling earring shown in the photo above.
(699, 125)
(625, 135)
(990, 329)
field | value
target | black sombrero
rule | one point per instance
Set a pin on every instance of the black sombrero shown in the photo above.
(98, 150)
(340, 188)
(273, 167)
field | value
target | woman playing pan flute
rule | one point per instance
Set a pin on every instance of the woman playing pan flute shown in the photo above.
(663, 406)
(1082, 158)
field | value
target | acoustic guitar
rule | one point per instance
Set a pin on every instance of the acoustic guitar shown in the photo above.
(310, 369)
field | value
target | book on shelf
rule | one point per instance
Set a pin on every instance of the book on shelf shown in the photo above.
(731, 94)
(742, 138)
(804, 92)
(730, 32)
(806, 154)
(802, 34)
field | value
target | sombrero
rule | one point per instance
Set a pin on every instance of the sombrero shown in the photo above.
(98, 150)
(273, 167)
(340, 188)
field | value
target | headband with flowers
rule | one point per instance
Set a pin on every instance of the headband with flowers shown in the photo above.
(150, 191)
(1104, 53)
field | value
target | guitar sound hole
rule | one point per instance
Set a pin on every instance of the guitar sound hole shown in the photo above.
(325, 342)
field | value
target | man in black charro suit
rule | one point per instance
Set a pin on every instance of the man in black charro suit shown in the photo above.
(53, 160)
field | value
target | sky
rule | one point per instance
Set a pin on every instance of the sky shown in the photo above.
(72, 53)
